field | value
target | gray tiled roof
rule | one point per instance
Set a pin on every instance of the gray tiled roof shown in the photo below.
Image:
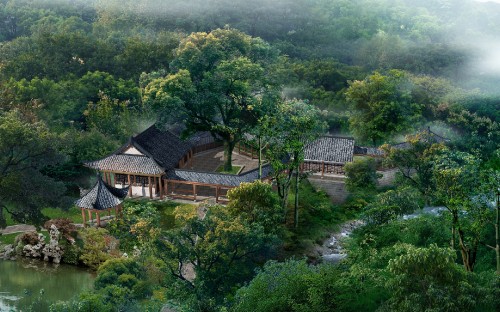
(217, 178)
(330, 149)
(166, 148)
(127, 164)
(102, 196)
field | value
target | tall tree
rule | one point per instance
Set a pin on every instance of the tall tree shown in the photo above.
(26, 148)
(458, 187)
(383, 106)
(415, 162)
(295, 125)
(218, 80)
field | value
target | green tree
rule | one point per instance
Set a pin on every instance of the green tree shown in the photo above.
(26, 148)
(427, 279)
(295, 125)
(383, 106)
(415, 161)
(110, 117)
(256, 202)
(218, 79)
(361, 174)
(458, 184)
(222, 250)
(94, 247)
(296, 286)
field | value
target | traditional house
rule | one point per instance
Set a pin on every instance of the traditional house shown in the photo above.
(158, 163)
(328, 154)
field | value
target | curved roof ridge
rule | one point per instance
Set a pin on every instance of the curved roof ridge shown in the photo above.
(102, 196)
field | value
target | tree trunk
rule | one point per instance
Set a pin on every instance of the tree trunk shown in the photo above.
(497, 234)
(283, 185)
(3, 222)
(466, 253)
(260, 158)
(228, 155)
(296, 206)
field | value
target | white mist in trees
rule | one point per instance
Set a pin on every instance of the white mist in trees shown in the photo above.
(219, 79)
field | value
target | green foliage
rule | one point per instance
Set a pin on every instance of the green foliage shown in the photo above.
(222, 249)
(428, 279)
(139, 226)
(294, 125)
(72, 253)
(95, 247)
(256, 203)
(228, 67)
(361, 174)
(123, 273)
(26, 147)
(415, 161)
(391, 205)
(383, 106)
(297, 286)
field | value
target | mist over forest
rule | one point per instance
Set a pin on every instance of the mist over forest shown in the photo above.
(80, 78)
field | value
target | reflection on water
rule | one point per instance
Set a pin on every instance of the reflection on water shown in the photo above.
(24, 282)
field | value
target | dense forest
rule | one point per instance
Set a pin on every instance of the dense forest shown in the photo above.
(79, 77)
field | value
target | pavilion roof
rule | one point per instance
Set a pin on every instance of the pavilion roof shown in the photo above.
(102, 196)
(128, 164)
(330, 149)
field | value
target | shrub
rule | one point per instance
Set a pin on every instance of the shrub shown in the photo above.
(361, 174)
(64, 225)
(94, 247)
(72, 253)
(29, 238)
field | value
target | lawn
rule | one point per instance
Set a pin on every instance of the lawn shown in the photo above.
(73, 213)
(8, 238)
(235, 170)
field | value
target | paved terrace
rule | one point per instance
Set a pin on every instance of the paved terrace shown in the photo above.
(209, 161)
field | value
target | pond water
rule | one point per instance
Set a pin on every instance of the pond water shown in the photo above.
(23, 282)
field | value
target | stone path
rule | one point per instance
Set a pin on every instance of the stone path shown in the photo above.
(19, 228)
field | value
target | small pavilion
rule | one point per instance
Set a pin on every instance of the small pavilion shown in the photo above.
(101, 197)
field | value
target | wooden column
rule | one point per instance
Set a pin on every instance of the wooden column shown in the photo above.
(150, 188)
(160, 185)
(90, 216)
(129, 186)
(166, 187)
(194, 191)
(98, 218)
(216, 194)
(109, 212)
(323, 169)
(83, 217)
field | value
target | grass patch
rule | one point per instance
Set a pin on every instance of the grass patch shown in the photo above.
(235, 170)
(73, 213)
(8, 238)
